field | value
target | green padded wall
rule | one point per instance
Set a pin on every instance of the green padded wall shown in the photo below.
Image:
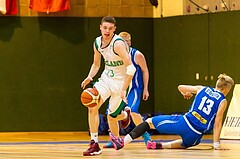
(180, 42)
(207, 44)
(44, 60)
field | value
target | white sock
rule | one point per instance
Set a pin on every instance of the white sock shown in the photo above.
(167, 145)
(94, 136)
(127, 139)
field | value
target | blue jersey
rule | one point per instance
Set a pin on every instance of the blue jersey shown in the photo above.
(198, 120)
(137, 81)
(203, 110)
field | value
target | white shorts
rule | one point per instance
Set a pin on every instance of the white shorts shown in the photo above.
(112, 88)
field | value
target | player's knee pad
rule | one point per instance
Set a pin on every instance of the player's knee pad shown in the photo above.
(139, 130)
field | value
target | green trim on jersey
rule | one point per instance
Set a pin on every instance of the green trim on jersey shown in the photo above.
(127, 47)
(119, 109)
(96, 45)
(121, 106)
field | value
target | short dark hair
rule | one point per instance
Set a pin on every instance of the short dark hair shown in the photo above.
(109, 19)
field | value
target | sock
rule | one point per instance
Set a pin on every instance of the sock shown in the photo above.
(94, 136)
(139, 130)
(173, 144)
(127, 139)
(167, 145)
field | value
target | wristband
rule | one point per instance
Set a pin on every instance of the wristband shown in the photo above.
(131, 70)
(216, 144)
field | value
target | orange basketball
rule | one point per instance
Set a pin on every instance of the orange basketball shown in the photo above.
(90, 97)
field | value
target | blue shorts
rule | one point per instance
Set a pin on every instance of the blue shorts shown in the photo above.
(134, 99)
(177, 125)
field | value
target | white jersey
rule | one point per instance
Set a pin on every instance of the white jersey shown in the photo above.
(114, 66)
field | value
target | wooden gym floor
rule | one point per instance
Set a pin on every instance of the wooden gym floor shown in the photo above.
(70, 145)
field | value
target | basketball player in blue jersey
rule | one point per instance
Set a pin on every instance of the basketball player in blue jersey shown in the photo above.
(206, 113)
(113, 83)
(139, 87)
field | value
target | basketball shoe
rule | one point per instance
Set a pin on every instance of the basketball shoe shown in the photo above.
(117, 142)
(108, 145)
(94, 149)
(124, 123)
(146, 137)
(154, 145)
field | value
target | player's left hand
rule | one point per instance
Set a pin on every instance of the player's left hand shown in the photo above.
(145, 95)
(85, 82)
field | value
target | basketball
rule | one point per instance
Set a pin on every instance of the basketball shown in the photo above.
(90, 97)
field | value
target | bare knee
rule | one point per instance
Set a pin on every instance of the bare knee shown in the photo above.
(93, 110)
(111, 118)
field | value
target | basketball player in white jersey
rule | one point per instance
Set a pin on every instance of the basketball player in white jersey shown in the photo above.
(139, 86)
(113, 83)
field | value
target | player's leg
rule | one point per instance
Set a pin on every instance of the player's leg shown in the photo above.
(190, 136)
(113, 128)
(176, 144)
(115, 109)
(116, 112)
(109, 143)
(135, 133)
(113, 118)
(134, 98)
(93, 120)
(163, 123)
(189, 140)
(114, 125)
(168, 124)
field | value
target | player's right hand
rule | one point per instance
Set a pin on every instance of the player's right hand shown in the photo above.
(86, 81)
(187, 95)
(221, 148)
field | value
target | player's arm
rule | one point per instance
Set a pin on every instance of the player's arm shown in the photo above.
(94, 68)
(188, 90)
(218, 126)
(141, 61)
(121, 49)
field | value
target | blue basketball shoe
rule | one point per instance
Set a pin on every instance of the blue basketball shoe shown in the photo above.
(146, 137)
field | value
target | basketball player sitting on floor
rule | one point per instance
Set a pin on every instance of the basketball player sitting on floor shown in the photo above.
(206, 113)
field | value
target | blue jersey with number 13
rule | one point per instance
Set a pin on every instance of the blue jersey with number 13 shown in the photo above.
(204, 108)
